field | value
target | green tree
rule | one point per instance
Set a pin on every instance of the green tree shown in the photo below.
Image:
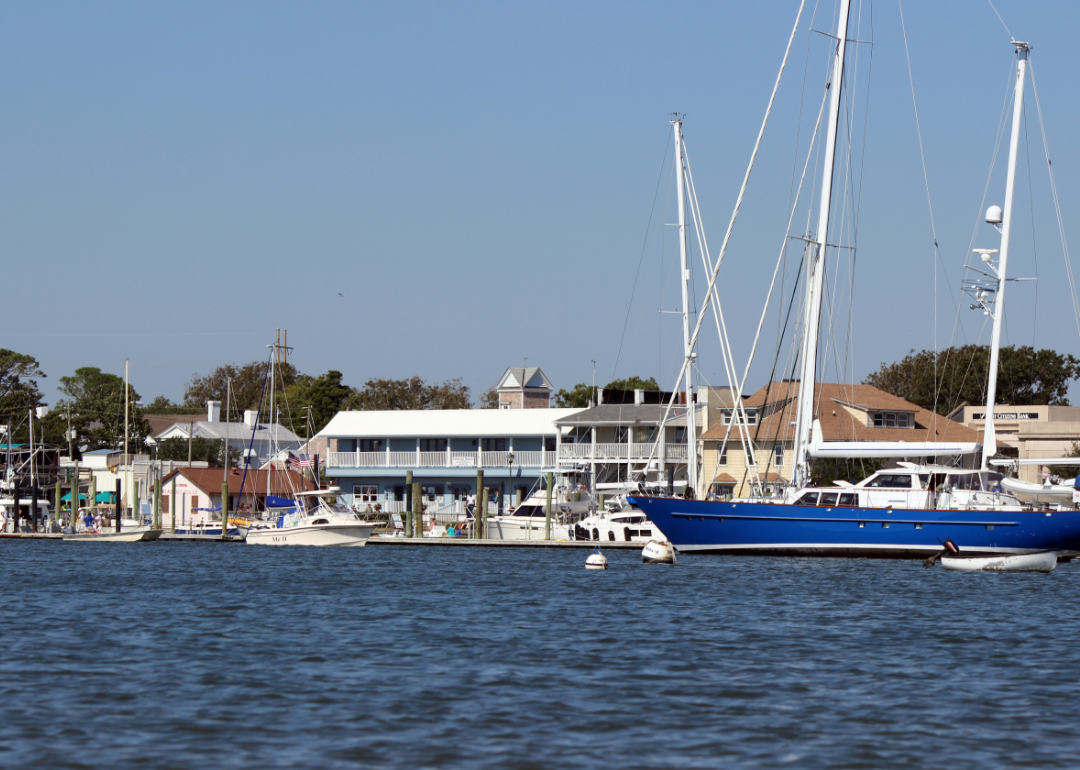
(202, 450)
(322, 397)
(580, 397)
(633, 383)
(411, 393)
(1025, 377)
(19, 391)
(162, 405)
(246, 385)
(489, 399)
(96, 401)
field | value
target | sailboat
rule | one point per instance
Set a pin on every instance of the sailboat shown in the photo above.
(903, 512)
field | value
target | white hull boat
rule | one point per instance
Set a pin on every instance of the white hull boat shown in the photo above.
(313, 534)
(1031, 492)
(123, 536)
(1040, 561)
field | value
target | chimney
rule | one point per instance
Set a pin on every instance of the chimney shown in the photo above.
(213, 411)
(599, 396)
(251, 417)
(639, 396)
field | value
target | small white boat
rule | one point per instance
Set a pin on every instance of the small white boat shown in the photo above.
(1031, 492)
(1039, 561)
(123, 536)
(314, 521)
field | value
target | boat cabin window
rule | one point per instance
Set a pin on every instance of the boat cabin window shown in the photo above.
(829, 499)
(809, 498)
(965, 481)
(892, 481)
(849, 499)
(529, 510)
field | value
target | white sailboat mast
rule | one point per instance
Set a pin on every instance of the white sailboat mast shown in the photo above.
(804, 418)
(989, 437)
(688, 347)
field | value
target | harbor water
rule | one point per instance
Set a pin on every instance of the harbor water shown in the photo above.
(183, 655)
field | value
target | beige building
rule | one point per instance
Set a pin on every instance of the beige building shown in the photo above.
(845, 412)
(1027, 432)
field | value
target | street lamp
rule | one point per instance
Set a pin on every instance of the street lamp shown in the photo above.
(510, 480)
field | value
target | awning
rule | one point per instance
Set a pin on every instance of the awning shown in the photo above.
(68, 497)
(105, 497)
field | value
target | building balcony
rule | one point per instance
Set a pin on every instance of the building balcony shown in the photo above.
(617, 452)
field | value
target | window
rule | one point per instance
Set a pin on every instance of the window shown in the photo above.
(493, 444)
(893, 420)
(549, 444)
(504, 404)
(722, 457)
(622, 434)
(849, 499)
(432, 445)
(828, 499)
(430, 493)
(680, 436)
(891, 481)
(778, 455)
(370, 444)
(366, 493)
(810, 498)
(751, 416)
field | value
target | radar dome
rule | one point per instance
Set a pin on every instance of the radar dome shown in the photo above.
(993, 215)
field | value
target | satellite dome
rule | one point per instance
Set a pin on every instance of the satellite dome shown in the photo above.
(993, 215)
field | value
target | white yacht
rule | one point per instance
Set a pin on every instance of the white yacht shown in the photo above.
(529, 522)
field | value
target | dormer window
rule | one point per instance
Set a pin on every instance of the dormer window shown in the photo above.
(893, 420)
(751, 416)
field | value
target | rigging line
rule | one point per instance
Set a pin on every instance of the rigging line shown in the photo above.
(1057, 203)
(1001, 19)
(738, 203)
(926, 183)
(782, 323)
(853, 254)
(641, 257)
(1002, 123)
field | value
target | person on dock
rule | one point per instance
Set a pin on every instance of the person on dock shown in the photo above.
(470, 505)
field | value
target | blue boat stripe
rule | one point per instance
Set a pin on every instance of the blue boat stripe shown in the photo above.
(847, 520)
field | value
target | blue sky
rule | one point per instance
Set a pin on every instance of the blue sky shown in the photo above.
(445, 189)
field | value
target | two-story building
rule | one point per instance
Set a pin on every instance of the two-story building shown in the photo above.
(844, 412)
(260, 438)
(1028, 432)
(371, 453)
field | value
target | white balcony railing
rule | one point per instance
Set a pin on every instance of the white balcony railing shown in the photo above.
(609, 452)
(440, 459)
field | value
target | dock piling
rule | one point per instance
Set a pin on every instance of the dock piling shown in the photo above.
(119, 510)
(476, 508)
(418, 510)
(408, 504)
(547, 515)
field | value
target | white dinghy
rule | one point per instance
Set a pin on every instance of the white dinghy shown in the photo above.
(1040, 561)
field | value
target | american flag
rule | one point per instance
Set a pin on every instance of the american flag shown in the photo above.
(303, 461)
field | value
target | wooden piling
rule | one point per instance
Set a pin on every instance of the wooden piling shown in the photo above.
(408, 504)
(75, 497)
(418, 508)
(547, 515)
(225, 508)
(119, 510)
(476, 509)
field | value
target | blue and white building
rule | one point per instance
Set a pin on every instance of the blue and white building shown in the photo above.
(369, 453)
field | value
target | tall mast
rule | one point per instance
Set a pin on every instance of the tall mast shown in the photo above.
(691, 428)
(989, 438)
(804, 418)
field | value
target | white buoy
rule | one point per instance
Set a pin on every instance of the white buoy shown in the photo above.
(596, 560)
(658, 552)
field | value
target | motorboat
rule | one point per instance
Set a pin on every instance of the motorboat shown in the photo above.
(123, 536)
(572, 521)
(312, 520)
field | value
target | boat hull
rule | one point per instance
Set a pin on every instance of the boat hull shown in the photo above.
(318, 534)
(134, 536)
(1043, 561)
(703, 526)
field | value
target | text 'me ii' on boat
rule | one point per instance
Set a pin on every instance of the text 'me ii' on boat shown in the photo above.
(905, 511)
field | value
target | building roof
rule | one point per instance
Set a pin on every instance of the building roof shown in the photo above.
(837, 424)
(162, 422)
(630, 414)
(724, 478)
(525, 377)
(865, 397)
(209, 481)
(235, 431)
(445, 423)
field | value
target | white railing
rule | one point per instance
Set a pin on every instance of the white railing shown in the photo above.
(532, 459)
(606, 452)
